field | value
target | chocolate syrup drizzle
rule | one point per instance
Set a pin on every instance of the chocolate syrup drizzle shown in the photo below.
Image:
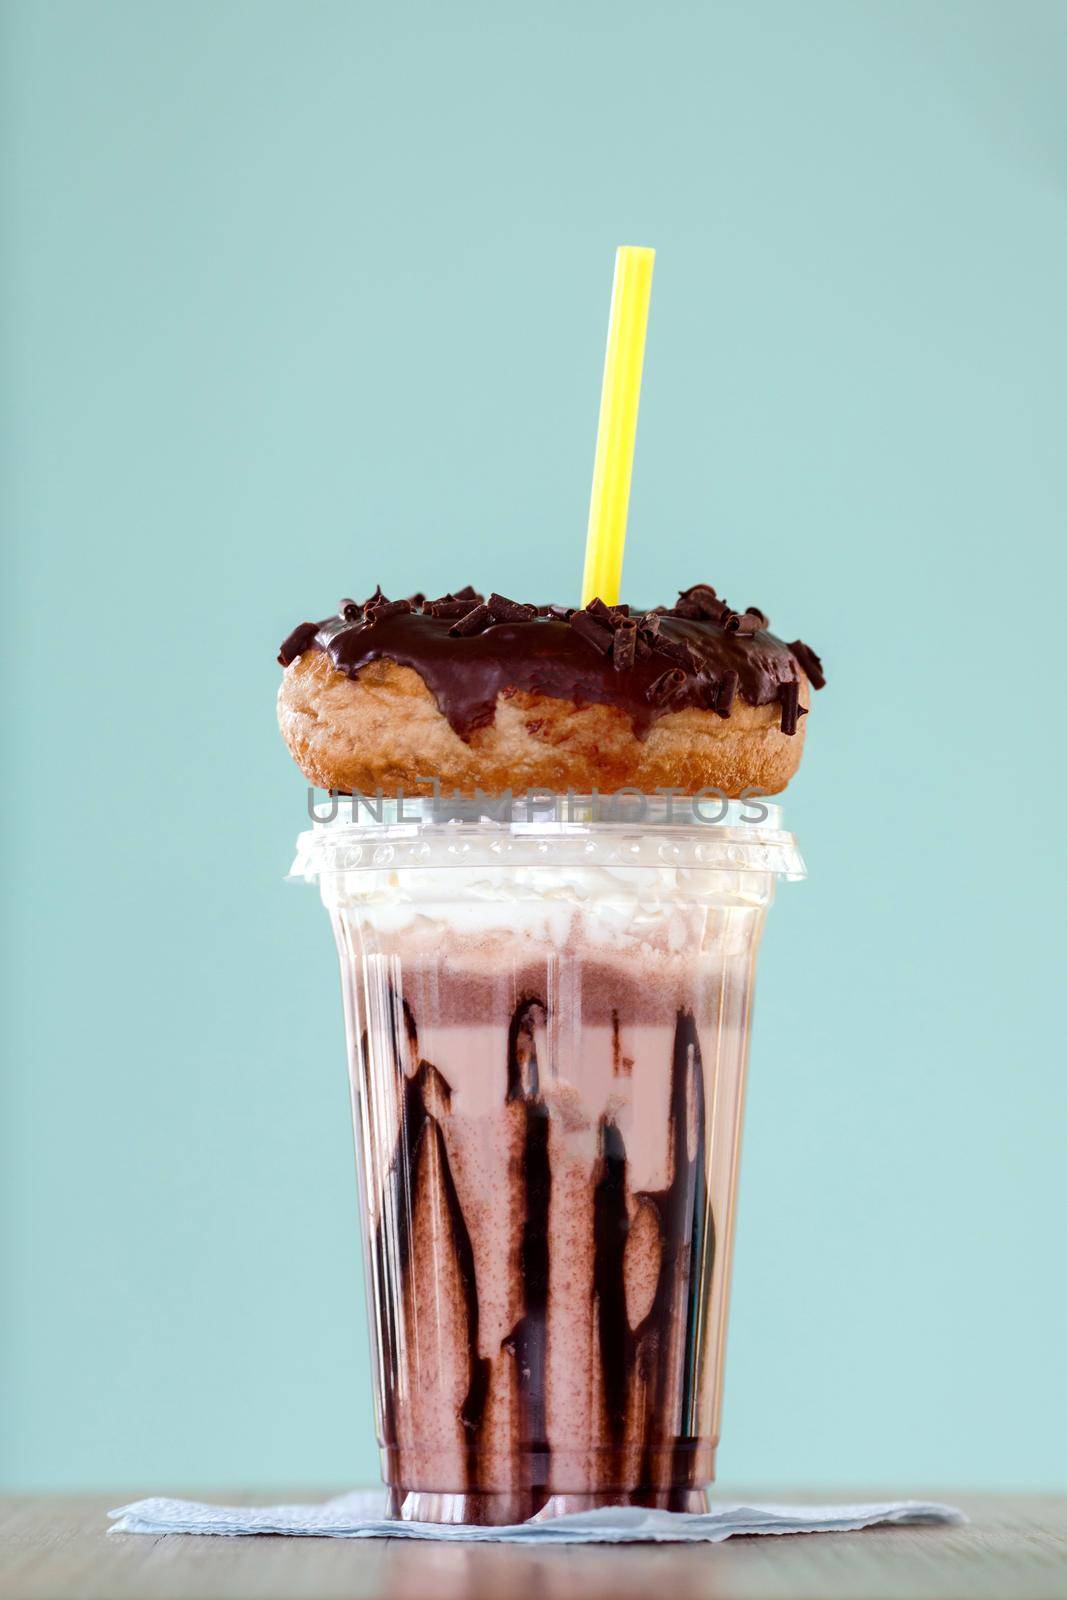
(699, 653)
(639, 1412)
(636, 1362)
(528, 1340)
(418, 1125)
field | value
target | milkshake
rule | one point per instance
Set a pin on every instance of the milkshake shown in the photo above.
(547, 1012)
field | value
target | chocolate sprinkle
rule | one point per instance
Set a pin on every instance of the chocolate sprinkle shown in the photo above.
(473, 622)
(624, 644)
(505, 610)
(590, 629)
(388, 608)
(724, 695)
(674, 648)
(665, 686)
(700, 603)
(789, 695)
(596, 608)
(810, 663)
(749, 621)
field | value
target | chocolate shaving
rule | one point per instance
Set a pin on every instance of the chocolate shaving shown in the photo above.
(619, 611)
(746, 623)
(505, 610)
(387, 608)
(676, 649)
(789, 695)
(624, 644)
(724, 696)
(666, 684)
(599, 637)
(468, 592)
(596, 608)
(704, 690)
(447, 608)
(351, 610)
(473, 622)
(560, 613)
(647, 634)
(376, 599)
(295, 643)
(810, 662)
(698, 604)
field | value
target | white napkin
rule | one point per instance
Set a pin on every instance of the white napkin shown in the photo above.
(361, 1516)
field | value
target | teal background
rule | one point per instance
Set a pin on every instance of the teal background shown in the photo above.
(302, 297)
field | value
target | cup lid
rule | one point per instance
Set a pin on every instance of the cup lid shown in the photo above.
(367, 832)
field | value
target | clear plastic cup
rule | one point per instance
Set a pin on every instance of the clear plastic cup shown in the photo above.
(547, 1011)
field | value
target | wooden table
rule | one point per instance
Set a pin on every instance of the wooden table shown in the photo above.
(1015, 1548)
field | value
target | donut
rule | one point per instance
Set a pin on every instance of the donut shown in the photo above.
(492, 695)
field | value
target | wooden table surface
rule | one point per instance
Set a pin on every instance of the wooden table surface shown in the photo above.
(1015, 1548)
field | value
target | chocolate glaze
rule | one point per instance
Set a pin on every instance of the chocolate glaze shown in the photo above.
(698, 654)
(643, 1411)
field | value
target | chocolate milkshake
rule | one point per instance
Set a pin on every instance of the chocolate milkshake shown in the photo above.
(547, 1013)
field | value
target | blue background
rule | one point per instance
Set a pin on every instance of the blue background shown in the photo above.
(302, 297)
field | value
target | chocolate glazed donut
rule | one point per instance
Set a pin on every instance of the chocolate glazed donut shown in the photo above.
(488, 696)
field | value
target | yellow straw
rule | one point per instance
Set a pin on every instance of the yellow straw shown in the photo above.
(617, 430)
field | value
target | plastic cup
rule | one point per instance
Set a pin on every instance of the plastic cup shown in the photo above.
(547, 1016)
